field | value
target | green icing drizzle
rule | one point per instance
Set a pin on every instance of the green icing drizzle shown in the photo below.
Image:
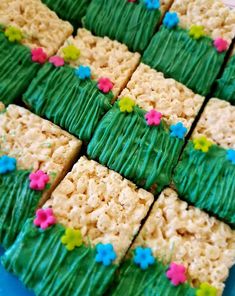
(129, 23)
(44, 265)
(225, 86)
(17, 203)
(16, 69)
(133, 281)
(144, 154)
(207, 181)
(75, 105)
(195, 63)
(71, 10)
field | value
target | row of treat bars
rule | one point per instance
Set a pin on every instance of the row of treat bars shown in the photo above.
(78, 238)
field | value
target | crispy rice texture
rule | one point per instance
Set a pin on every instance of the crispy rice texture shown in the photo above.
(151, 90)
(106, 207)
(186, 235)
(217, 19)
(105, 57)
(41, 26)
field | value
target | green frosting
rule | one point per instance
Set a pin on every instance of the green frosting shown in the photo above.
(75, 105)
(133, 281)
(195, 63)
(16, 69)
(71, 10)
(207, 181)
(17, 203)
(225, 86)
(125, 143)
(129, 23)
(44, 265)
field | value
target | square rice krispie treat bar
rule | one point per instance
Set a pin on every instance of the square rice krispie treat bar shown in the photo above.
(70, 10)
(76, 95)
(151, 90)
(32, 24)
(192, 42)
(177, 244)
(97, 213)
(34, 156)
(130, 22)
(138, 144)
(206, 173)
(225, 85)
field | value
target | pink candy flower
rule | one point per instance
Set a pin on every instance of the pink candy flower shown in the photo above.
(38, 55)
(176, 273)
(220, 44)
(105, 85)
(44, 218)
(153, 117)
(56, 61)
(38, 180)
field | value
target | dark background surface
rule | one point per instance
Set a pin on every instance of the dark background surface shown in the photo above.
(11, 286)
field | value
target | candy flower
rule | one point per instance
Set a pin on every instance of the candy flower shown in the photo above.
(177, 274)
(44, 218)
(105, 254)
(178, 130)
(152, 4)
(83, 72)
(231, 155)
(206, 290)
(196, 31)
(71, 52)
(104, 84)
(13, 34)
(56, 61)
(202, 144)
(220, 44)
(143, 257)
(72, 238)
(153, 117)
(126, 104)
(38, 180)
(7, 164)
(171, 20)
(38, 55)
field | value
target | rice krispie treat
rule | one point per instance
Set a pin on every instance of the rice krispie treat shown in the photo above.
(71, 10)
(32, 24)
(151, 90)
(192, 42)
(97, 213)
(225, 85)
(34, 156)
(206, 173)
(137, 144)
(128, 21)
(177, 244)
(76, 95)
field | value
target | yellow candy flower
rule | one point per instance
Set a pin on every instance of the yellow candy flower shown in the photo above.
(13, 34)
(71, 52)
(206, 290)
(196, 31)
(126, 104)
(202, 144)
(72, 239)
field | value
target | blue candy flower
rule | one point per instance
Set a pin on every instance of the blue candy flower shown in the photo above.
(170, 20)
(105, 254)
(231, 155)
(143, 257)
(7, 164)
(152, 4)
(83, 72)
(178, 130)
